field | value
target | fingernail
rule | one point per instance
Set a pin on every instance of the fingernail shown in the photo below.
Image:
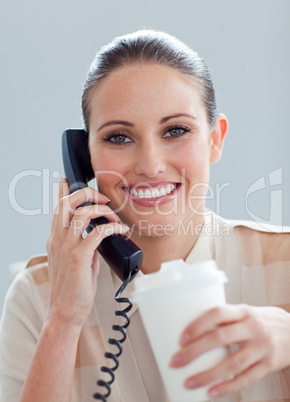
(175, 361)
(191, 383)
(104, 197)
(185, 338)
(214, 393)
(62, 180)
(125, 228)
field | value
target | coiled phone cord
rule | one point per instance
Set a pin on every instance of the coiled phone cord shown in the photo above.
(118, 343)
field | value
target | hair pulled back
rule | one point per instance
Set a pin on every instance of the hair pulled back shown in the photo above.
(149, 46)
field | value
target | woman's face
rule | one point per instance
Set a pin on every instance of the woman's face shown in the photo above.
(151, 146)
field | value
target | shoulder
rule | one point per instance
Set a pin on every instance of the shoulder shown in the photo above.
(247, 224)
(269, 243)
(37, 267)
(22, 317)
(30, 286)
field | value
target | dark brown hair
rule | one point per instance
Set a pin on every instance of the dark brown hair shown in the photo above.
(148, 46)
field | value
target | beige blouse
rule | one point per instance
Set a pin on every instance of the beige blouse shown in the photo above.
(256, 261)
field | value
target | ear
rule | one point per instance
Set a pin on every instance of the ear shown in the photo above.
(218, 135)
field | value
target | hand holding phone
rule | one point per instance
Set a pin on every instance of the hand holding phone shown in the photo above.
(72, 260)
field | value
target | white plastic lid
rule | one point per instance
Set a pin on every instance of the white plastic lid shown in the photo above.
(175, 276)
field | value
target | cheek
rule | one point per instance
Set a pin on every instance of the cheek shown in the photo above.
(195, 161)
(101, 162)
(108, 172)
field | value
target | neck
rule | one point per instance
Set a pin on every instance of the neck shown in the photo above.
(164, 248)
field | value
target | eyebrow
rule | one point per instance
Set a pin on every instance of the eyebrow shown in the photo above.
(114, 122)
(128, 124)
(165, 119)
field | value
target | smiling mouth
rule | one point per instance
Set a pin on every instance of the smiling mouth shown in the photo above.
(153, 191)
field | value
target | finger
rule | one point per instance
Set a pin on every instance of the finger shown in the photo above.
(210, 319)
(224, 335)
(61, 193)
(87, 194)
(69, 203)
(234, 365)
(95, 237)
(244, 380)
(82, 219)
(64, 190)
(83, 260)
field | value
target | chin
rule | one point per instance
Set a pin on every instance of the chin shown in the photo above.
(147, 229)
(153, 226)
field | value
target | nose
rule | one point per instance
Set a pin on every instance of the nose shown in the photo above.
(150, 160)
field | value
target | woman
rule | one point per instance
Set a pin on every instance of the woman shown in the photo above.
(149, 108)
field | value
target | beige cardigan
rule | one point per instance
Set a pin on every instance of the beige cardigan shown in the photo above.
(256, 262)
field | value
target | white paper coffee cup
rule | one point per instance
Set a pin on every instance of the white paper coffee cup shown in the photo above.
(169, 300)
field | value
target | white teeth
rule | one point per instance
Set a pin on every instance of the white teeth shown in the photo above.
(153, 192)
(156, 193)
(162, 191)
(168, 189)
(148, 193)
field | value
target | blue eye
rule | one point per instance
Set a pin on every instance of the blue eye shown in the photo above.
(175, 132)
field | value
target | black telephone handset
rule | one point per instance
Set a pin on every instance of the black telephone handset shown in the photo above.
(120, 253)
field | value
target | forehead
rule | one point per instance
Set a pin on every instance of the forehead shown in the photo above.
(139, 89)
